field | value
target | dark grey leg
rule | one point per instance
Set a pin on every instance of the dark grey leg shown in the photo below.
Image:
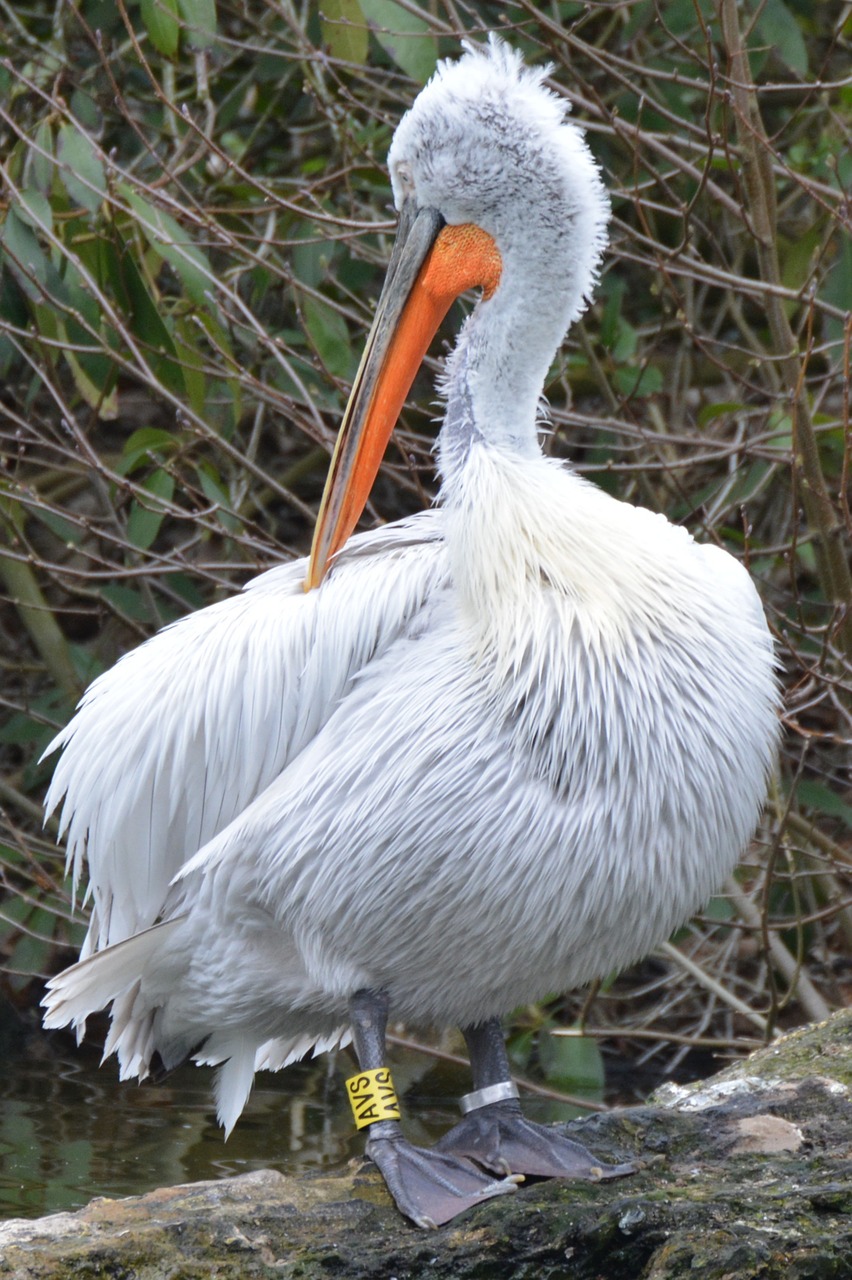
(486, 1044)
(429, 1187)
(497, 1135)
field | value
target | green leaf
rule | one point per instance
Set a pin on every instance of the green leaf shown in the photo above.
(187, 590)
(798, 258)
(626, 342)
(404, 37)
(13, 308)
(613, 291)
(780, 423)
(719, 909)
(721, 409)
(99, 393)
(30, 953)
(161, 22)
(312, 256)
(200, 22)
(112, 261)
(631, 381)
(328, 332)
(40, 159)
(24, 253)
(14, 911)
(747, 483)
(80, 168)
(126, 601)
(777, 26)
(95, 372)
(344, 30)
(814, 795)
(35, 209)
(571, 1062)
(519, 1047)
(678, 15)
(214, 493)
(174, 245)
(191, 364)
(65, 530)
(20, 728)
(228, 405)
(144, 445)
(86, 111)
(146, 515)
(837, 288)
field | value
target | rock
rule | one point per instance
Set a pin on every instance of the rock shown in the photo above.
(746, 1175)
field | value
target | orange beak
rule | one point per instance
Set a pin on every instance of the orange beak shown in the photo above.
(430, 266)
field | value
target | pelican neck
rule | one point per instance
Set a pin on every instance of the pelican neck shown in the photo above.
(494, 378)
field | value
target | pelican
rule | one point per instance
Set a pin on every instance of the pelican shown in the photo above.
(448, 766)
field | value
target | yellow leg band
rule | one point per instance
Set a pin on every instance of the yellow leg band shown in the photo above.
(372, 1097)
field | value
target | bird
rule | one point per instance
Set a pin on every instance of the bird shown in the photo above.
(442, 767)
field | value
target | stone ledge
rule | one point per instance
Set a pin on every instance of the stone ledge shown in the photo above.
(748, 1174)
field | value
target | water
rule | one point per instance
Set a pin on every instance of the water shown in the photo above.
(70, 1130)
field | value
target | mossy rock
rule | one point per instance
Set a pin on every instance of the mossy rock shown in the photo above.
(748, 1174)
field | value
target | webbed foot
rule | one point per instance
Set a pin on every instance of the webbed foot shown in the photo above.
(430, 1187)
(500, 1138)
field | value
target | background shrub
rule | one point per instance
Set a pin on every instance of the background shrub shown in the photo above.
(194, 223)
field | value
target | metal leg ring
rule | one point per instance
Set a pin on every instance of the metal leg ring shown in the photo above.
(484, 1097)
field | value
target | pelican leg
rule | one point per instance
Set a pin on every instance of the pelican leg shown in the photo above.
(496, 1134)
(429, 1187)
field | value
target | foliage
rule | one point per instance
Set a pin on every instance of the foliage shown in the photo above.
(193, 226)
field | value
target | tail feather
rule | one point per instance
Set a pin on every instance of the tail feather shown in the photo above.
(274, 1055)
(338, 1039)
(234, 1081)
(131, 1034)
(110, 975)
(239, 1059)
(121, 1013)
(137, 1034)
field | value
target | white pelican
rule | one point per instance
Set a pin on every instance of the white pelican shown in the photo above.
(504, 748)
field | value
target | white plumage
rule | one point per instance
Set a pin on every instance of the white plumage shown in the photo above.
(505, 748)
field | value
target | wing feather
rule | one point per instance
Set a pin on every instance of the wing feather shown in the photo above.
(173, 742)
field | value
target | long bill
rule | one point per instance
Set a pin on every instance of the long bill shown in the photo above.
(430, 266)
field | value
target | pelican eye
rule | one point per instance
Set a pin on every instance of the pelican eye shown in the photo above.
(405, 179)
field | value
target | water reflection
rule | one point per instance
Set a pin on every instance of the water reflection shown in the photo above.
(70, 1131)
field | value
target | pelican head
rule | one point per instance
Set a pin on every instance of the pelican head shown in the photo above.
(495, 189)
(487, 143)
